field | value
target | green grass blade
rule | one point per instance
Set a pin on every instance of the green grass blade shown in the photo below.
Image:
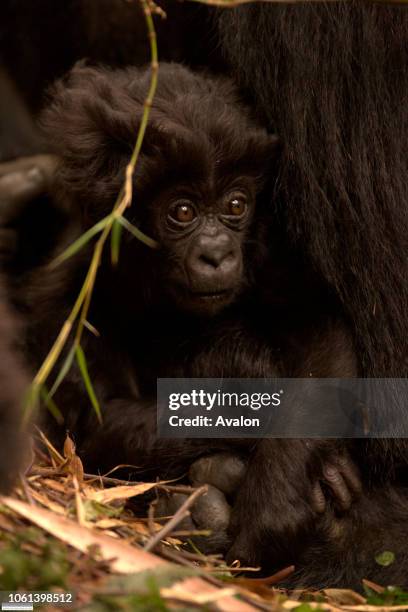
(138, 233)
(82, 240)
(51, 405)
(66, 366)
(81, 360)
(30, 403)
(115, 241)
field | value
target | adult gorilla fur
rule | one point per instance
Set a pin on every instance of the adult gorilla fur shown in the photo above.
(332, 79)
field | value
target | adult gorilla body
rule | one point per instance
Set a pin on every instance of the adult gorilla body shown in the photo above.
(331, 80)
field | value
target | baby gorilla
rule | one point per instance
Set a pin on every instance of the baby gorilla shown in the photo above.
(195, 306)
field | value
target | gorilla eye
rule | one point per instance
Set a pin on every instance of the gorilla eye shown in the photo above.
(183, 213)
(236, 205)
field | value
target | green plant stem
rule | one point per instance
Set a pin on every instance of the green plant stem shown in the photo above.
(82, 303)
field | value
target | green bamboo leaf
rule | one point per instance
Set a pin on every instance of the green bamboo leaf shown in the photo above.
(82, 240)
(115, 241)
(138, 233)
(51, 405)
(65, 368)
(81, 360)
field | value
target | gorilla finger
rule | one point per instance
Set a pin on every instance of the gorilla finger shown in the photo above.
(47, 164)
(44, 162)
(211, 511)
(334, 479)
(318, 499)
(18, 188)
(167, 506)
(224, 471)
(350, 473)
(23, 180)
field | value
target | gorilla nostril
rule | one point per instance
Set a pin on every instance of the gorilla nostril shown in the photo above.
(210, 260)
(216, 258)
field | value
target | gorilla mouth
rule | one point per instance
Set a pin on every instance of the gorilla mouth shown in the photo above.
(204, 302)
(212, 295)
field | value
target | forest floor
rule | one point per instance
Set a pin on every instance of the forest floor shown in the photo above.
(65, 531)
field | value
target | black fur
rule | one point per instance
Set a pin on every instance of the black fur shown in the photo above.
(49, 38)
(15, 450)
(199, 137)
(331, 80)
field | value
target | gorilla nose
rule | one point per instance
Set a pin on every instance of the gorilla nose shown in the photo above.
(215, 260)
(214, 251)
